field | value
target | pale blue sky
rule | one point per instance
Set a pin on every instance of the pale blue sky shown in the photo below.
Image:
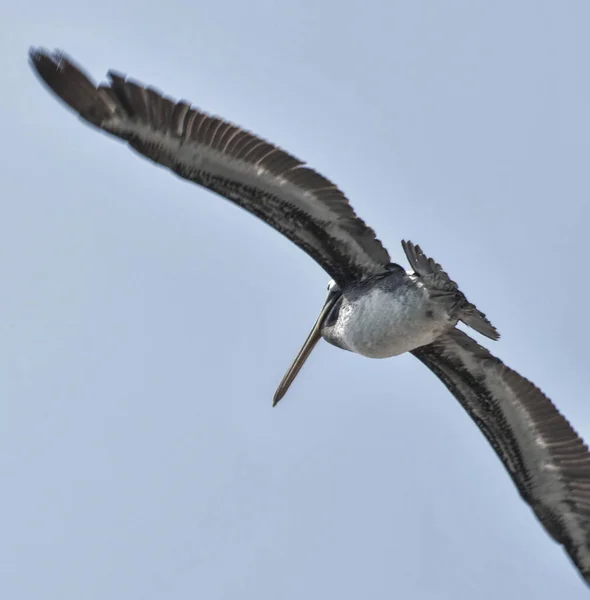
(146, 323)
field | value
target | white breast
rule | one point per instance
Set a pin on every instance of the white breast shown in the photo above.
(383, 323)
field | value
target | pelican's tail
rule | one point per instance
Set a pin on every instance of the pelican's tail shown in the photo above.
(440, 284)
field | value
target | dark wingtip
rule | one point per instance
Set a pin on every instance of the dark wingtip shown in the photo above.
(35, 52)
(45, 63)
(71, 84)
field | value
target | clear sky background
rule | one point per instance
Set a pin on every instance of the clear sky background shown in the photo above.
(145, 323)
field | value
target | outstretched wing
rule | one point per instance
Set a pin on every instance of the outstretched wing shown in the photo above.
(547, 460)
(268, 182)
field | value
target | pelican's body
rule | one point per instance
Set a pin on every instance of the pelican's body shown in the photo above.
(387, 316)
(374, 307)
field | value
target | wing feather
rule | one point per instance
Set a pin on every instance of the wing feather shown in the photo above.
(546, 459)
(247, 170)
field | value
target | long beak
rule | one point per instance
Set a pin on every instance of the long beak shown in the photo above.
(312, 339)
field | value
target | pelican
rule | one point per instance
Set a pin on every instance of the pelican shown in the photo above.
(374, 307)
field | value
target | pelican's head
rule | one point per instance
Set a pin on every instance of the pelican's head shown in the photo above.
(334, 294)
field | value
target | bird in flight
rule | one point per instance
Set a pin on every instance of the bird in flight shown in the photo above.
(374, 307)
